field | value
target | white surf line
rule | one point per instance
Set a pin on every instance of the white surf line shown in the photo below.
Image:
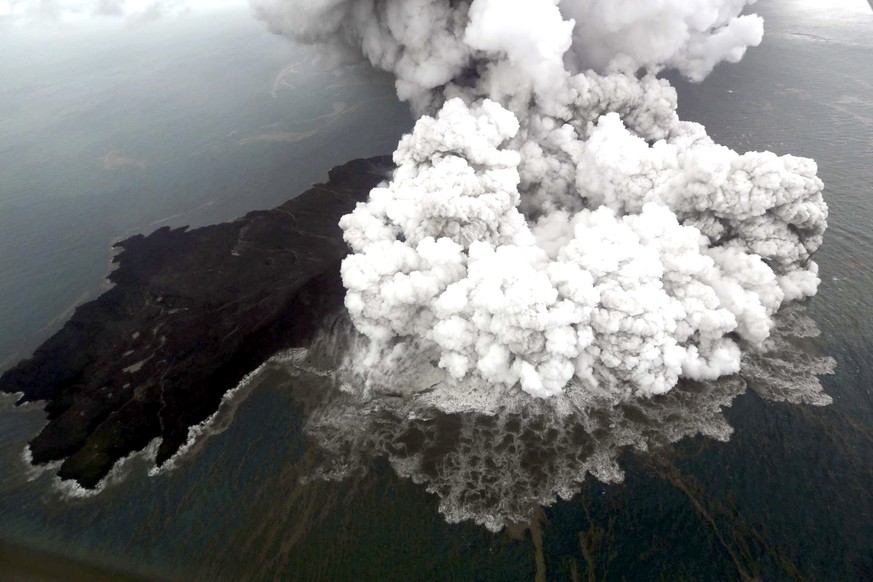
(71, 489)
(220, 420)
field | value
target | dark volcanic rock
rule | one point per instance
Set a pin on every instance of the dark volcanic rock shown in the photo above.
(191, 312)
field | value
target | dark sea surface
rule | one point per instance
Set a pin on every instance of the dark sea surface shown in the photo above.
(787, 497)
(110, 132)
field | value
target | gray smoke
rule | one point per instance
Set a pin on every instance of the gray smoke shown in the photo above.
(494, 469)
(552, 224)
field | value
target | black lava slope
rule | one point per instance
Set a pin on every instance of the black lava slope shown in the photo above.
(191, 312)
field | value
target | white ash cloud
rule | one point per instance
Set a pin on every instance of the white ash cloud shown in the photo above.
(552, 222)
(479, 466)
(691, 36)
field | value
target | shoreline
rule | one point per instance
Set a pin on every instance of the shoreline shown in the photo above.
(190, 313)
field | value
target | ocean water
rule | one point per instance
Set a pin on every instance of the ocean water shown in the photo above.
(108, 133)
(786, 497)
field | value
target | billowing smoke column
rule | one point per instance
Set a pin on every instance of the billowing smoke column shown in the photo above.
(551, 222)
(495, 469)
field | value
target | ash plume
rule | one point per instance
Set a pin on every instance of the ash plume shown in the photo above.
(493, 469)
(552, 225)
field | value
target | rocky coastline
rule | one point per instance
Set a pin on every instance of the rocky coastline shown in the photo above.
(191, 313)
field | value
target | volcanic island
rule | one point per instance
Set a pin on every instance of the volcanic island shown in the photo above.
(190, 313)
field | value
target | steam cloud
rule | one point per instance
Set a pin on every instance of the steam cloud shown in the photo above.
(552, 224)
(494, 469)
